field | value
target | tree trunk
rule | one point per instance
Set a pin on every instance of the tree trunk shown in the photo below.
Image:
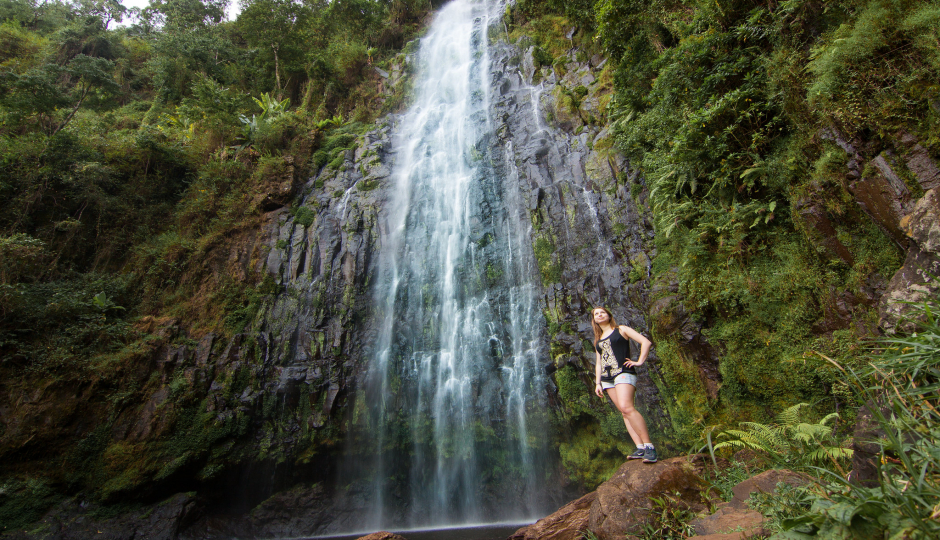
(277, 71)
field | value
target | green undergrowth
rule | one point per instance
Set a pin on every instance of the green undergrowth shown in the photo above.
(899, 382)
(134, 160)
(23, 502)
(725, 108)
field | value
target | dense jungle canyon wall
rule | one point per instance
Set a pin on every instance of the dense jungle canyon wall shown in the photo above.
(186, 295)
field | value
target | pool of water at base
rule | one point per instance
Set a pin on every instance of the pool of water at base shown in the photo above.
(500, 531)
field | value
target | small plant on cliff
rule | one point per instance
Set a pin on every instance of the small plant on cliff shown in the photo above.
(793, 441)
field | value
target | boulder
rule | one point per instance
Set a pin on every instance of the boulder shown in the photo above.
(734, 518)
(623, 503)
(565, 524)
(765, 482)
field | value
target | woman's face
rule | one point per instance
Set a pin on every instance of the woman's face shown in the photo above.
(601, 316)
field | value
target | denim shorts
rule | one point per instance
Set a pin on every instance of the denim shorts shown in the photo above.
(623, 378)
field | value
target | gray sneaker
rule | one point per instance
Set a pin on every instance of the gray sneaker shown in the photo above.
(649, 455)
(639, 453)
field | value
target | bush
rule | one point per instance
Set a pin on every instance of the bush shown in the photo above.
(903, 379)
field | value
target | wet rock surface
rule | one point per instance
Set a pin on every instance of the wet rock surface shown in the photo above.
(77, 520)
(565, 524)
(591, 238)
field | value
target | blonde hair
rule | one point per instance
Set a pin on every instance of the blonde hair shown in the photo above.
(598, 332)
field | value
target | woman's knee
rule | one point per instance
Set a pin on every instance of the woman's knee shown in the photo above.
(627, 410)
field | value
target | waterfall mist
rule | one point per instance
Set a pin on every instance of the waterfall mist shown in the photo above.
(450, 424)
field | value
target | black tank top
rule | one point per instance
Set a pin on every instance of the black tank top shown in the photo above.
(615, 351)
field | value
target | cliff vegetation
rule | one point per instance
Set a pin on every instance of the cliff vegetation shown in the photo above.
(135, 158)
(757, 127)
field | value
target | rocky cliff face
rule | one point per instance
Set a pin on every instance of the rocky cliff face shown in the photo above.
(244, 418)
(265, 414)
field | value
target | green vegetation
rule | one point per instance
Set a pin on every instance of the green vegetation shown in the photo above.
(725, 107)
(133, 160)
(598, 438)
(669, 519)
(791, 443)
(900, 384)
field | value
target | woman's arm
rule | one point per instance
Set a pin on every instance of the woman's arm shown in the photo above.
(598, 389)
(644, 342)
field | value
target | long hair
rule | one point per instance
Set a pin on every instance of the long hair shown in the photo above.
(598, 332)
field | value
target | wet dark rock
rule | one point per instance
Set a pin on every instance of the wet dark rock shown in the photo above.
(818, 228)
(73, 520)
(671, 317)
(567, 523)
(884, 197)
(841, 309)
(866, 451)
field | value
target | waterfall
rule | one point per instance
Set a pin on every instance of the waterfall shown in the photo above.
(451, 422)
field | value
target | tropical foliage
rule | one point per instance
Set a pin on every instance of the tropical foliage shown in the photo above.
(900, 385)
(729, 109)
(792, 441)
(131, 156)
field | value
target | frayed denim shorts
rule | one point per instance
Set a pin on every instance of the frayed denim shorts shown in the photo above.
(623, 378)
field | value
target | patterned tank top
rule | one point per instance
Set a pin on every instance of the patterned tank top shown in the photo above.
(615, 351)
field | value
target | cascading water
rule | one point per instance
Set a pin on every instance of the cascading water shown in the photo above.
(451, 419)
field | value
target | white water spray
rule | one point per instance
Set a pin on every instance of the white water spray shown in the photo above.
(454, 428)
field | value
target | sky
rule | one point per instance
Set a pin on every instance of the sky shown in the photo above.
(234, 6)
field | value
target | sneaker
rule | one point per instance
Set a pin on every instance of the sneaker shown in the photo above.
(639, 453)
(649, 455)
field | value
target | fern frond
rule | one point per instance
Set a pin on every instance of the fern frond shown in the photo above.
(771, 437)
(826, 453)
(733, 444)
(792, 415)
(808, 432)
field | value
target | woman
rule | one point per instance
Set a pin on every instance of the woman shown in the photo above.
(615, 372)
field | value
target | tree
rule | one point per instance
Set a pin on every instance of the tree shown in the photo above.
(43, 91)
(273, 24)
(106, 10)
(89, 74)
(185, 15)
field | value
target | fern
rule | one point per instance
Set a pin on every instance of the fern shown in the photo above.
(793, 440)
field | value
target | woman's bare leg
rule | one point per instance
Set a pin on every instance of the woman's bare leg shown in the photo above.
(623, 394)
(612, 392)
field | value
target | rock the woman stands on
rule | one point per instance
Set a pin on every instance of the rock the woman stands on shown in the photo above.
(615, 372)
